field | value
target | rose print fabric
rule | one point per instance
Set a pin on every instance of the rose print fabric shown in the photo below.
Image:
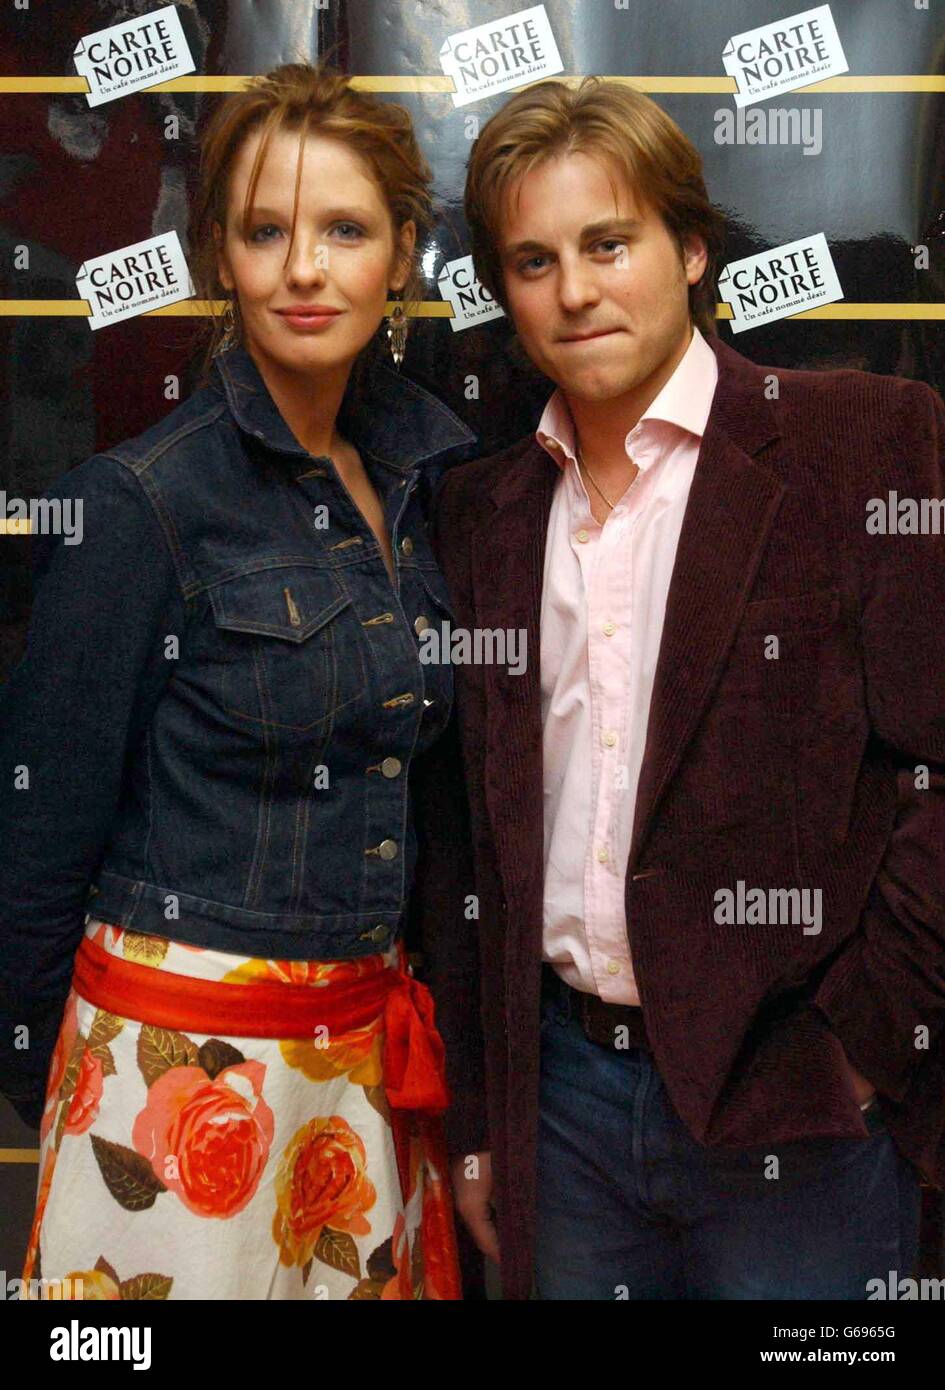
(184, 1165)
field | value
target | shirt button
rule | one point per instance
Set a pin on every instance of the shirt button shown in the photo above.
(582, 536)
(406, 546)
(391, 767)
(602, 855)
(613, 967)
(609, 738)
(609, 629)
(421, 623)
(387, 849)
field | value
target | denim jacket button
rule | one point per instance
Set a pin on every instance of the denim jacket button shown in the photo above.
(387, 849)
(406, 545)
(421, 623)
(391, 767)
(377, 933)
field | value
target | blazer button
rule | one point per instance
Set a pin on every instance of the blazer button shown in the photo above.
(391, 767)
(420, 624)
(387, 849)
(406, 545)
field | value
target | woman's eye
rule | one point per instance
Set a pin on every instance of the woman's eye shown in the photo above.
(530, 263)
(350, 227)
(612, 243)
(268, 227)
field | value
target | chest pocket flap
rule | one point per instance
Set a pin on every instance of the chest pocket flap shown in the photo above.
(287, 601)
(288, 660)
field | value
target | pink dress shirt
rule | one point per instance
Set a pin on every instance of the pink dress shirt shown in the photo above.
(603, 601)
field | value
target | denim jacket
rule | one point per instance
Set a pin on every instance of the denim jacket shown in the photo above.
(210, 732)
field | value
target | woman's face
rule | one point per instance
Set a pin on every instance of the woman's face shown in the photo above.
(341, 265)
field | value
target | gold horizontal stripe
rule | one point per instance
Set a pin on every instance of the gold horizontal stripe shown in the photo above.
(879, 82)
(227, 82)
(442, 309)
(644, 82)
(19, 1155)
(184, 308)
(851, 310)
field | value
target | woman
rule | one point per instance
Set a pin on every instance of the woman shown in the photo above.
(207, 745)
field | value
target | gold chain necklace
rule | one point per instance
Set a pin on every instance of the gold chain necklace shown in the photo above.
(592, 479)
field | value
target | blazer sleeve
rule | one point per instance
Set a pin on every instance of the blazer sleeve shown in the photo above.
(444, 884)
(884, 996)
(92, 671)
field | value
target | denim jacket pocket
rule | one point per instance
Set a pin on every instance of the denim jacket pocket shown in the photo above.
(291, 649)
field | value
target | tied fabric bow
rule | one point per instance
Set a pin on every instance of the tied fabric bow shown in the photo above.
(414, 1055)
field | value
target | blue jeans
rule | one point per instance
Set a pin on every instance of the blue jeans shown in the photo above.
(630, 1206)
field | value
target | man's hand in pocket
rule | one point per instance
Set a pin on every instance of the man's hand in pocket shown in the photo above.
(863, 1090)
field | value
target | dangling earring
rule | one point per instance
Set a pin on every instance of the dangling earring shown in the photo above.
(397, 330)
(230, 321)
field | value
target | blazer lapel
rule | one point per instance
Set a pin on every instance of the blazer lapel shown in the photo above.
(508, 565)
(731, 507)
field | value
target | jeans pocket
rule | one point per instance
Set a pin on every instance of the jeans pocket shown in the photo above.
(547, 1016)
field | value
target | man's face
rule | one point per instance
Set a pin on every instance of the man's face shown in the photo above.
(575, 264)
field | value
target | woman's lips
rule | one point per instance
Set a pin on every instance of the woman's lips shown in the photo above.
(308, 321)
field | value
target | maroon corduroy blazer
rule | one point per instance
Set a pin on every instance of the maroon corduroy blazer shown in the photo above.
(821, 769)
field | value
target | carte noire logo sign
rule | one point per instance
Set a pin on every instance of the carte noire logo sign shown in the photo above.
(135, 54)
(780, 282)
(472, 303)
(134, 279)
(783, 56)
(502, 54)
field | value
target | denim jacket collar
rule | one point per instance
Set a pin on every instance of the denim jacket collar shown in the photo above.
(396, 420)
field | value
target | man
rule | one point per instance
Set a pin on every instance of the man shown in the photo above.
(695, 1031)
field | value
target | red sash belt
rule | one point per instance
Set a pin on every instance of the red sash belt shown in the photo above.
(413, 1060)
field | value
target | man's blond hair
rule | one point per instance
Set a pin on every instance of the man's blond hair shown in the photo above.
(610, 121)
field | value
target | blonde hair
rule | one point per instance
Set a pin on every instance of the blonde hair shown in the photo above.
(316, 99)
(605, 119)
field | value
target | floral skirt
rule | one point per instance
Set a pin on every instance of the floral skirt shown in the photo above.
(188, 1165)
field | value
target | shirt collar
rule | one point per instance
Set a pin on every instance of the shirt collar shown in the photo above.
(391, 418)
(684, 402)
